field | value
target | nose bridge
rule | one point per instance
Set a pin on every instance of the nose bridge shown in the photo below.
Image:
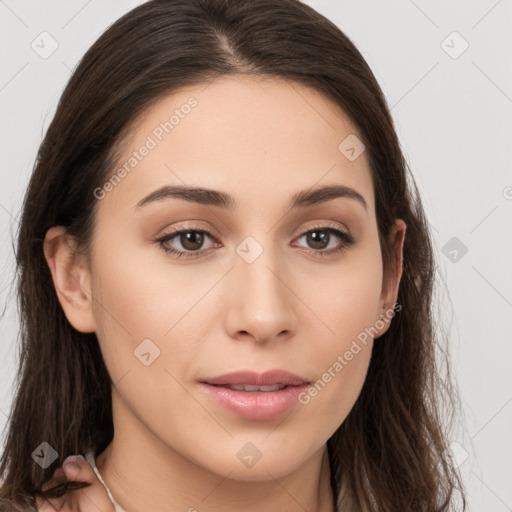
(262, 301)
(258, 267)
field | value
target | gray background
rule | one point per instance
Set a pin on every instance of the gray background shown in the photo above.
(452, 110)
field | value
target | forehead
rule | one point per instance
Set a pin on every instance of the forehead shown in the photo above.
(258, 139)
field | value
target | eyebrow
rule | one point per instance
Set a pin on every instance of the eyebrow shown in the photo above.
(209, 197)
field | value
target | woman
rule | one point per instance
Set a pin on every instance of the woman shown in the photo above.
(226, 279)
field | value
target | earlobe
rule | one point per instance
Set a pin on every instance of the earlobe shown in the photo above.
(391, 278)
(71, 278)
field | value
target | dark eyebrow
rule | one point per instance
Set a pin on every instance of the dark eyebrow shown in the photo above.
(209, 197)
(326, 193)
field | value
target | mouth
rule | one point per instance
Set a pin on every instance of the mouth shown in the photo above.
(259, 380)
(252, 388)
(256, 396)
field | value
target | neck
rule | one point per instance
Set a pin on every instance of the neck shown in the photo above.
(145, 474)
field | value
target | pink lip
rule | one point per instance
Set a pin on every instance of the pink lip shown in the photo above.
(257, 379)
(256, 405)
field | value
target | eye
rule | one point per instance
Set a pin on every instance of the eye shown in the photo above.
(319, 238)
(192, 241)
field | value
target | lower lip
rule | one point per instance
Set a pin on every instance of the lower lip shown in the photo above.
(257, 405)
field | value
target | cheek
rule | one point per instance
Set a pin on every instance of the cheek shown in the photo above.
(139, 296)
(347, 304)
(347, 296)
(147, 289)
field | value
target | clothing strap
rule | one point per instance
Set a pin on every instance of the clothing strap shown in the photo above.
(89, 457)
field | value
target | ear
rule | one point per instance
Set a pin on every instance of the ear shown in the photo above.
(391, 278)
(71, 278)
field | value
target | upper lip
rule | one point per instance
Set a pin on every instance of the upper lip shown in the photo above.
(267, 378)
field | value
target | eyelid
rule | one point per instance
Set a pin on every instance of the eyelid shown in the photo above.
(347, 240)
(173, 232)
(189, 225)
(323, 225)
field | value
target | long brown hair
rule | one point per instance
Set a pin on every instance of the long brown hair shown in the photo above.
(390, 452)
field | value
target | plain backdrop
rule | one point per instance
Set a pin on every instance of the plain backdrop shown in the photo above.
(446, 70)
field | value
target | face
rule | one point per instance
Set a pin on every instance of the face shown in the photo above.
(255, 277)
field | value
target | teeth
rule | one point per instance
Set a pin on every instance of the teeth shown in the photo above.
(249, 387)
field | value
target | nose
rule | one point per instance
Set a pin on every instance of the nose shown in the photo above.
(260, 300)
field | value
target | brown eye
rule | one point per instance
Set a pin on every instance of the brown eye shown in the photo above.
(191, 241)
(319, 238)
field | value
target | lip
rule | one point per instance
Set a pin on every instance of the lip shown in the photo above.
(267, 378)
(256, 405)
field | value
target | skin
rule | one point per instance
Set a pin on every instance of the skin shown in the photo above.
(261, 140)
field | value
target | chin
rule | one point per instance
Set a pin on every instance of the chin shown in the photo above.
(249, 464)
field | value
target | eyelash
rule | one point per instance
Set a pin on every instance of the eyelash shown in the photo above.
(347, 241)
